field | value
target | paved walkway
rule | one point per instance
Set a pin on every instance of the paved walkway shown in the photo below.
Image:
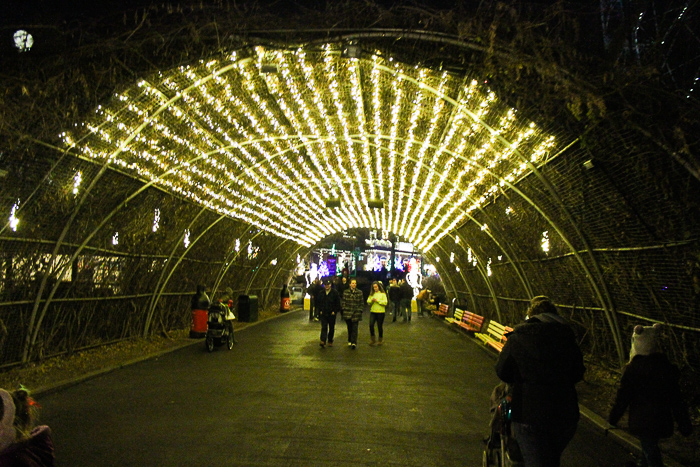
(278, 399)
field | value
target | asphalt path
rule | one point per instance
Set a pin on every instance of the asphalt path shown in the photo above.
(278, 399)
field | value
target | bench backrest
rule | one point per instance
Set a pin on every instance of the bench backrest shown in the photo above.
(473, 319)
(496, 330)
(458, 314)
(444, 308)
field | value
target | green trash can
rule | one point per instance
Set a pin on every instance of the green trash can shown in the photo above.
(247, 308)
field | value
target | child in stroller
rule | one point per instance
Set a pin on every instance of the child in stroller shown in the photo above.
(500, 449)
(219, 326)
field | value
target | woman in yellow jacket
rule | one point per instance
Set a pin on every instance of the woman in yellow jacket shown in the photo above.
(377, 298)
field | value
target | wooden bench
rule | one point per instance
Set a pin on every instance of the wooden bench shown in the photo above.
(457, 318)
(471, 321)
(494, 335)
(442, 310)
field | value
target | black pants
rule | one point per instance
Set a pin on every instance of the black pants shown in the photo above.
(327, 328)
(379, 319)
(312, 309)
(352, 330)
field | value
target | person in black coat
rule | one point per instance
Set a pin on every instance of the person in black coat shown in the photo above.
(313, 290)
(327, 305)
(650, 388)
(406, 295)
(542, 363)
(394, 293)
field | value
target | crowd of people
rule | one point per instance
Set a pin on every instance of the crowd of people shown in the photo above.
(331, 297)
(540, 364)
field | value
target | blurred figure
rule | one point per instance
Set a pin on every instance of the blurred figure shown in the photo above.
(394, 297)
(406, 295)
(22, 444)
(650, 389)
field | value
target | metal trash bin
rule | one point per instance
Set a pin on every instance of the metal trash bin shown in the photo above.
(247, 308)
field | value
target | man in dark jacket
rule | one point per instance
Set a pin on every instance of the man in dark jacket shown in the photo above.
(542, 363)
(327, 305)
(353, 304)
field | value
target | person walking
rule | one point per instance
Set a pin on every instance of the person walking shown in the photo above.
(394, 297)
(353, 305)
(406, 296)
(542, 363)
(377, 299)
(650, 389)
(327, 305)
(313, 290)
(421, 301)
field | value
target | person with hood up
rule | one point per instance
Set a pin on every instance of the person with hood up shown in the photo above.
(542, 363)
(650, 389)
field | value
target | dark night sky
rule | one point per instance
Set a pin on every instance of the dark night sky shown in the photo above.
(27, 12)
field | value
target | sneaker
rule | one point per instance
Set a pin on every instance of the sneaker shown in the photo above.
(322, 344)
(353, 346)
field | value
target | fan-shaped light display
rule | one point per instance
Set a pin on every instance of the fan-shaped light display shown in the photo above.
(267, 136)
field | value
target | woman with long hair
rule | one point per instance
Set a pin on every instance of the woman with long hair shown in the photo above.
(377, 299)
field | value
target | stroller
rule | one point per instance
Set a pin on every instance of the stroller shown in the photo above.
(500, 449)
(219, 326)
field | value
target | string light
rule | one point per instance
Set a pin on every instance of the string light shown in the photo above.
(77, 180)
(269, 148)
(156, 220)
(14, 221)
(186, 240)
(545, 241)
(115, 238)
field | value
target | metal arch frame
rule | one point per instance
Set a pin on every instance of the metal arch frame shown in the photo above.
(280, 268)
(265, 261)
(158, 289)
(484, 277)
(228, 262)
(464, 280)
(609, 314)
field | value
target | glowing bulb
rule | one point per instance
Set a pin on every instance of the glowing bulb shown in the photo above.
(156, 220)
(187, 238)
(14, 221)
(238, 245)
(545, 241)
(115, 238)
(77, 180)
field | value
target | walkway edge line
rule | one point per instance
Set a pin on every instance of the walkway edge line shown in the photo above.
(52, 388)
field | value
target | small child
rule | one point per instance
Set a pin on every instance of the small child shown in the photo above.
(650, 388)
(21, 445)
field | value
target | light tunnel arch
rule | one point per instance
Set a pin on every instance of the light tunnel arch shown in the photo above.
(171, 102)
